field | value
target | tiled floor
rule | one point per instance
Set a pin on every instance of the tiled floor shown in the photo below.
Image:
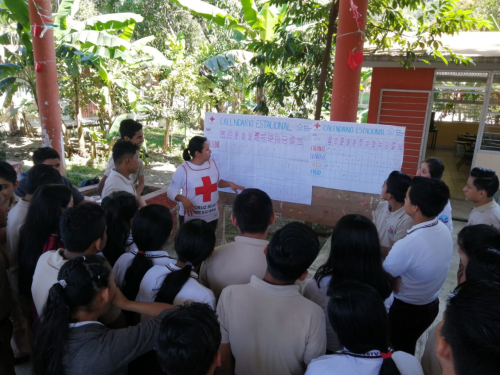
(455, 179)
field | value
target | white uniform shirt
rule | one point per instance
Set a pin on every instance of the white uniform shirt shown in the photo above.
(117, 182)
(422, 260)
(319, 296)
(134, 177)
(199, 183)
(192, 290)
(391, 226)
(345, 364)
(159, 258)
(446, 218)
(488, 213)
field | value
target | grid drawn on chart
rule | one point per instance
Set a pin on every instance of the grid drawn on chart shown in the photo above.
(274, 162)
(353, 163)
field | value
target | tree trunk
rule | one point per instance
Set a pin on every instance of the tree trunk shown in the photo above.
(78, 116)
(334, 13)
(259, 91)
(167, 135)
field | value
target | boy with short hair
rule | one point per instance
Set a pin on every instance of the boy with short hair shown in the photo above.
(131, 131)
(188, 341)
(8, 183)
(50, 157)
(481, 186)
(267, 325)
(83, 232)
(236, 262)
(126, 162)
(421, 260)
(468, 338)
(390, 218)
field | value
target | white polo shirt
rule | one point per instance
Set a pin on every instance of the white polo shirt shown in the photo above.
(422, 260)
(319, 296)
(192, 290)
(272, 329)
(159, 258)
(369, 364)
(445, 216)
(391, 226)
(134, 177)
(117, 182)
(488, 213)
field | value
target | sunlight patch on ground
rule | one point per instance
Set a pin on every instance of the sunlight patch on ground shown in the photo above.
(165, 167)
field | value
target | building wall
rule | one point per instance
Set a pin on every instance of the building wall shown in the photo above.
(488, 160)
(402, 79)
(448, 132)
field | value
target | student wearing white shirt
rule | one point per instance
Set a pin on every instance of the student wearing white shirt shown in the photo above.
(150, 229)
(468, 338)
(434, 168)
(267, 325)
(390, 217)
(126, 162)
(421, 260)
(177, 282)
(358, 315)
(354, 255)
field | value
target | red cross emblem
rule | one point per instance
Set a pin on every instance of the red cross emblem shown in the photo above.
(206, 189)
(317, 125)
(212, 119)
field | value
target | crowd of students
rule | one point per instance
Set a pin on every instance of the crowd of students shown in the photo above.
(89, 289)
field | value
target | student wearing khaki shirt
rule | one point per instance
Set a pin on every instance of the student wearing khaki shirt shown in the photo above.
(267, 325)
(236, 262)
(390, 218)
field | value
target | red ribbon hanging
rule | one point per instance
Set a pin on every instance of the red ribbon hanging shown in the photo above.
(38, 67)
(355, 59)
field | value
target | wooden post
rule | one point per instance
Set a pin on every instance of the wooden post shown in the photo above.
(345, 91)
(46, 76)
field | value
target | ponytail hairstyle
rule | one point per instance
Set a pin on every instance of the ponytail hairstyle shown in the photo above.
(358, 316)
(151, 228)
(194, 242)
(42, 221)
(79, 282)
(195, 144)
(120, 208)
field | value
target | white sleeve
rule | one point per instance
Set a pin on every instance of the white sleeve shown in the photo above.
(177, 183)
(316, 342)
(109, 167)
(120, 268)
(398, 260)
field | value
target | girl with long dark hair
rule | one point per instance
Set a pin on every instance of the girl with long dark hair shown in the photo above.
(358, 315)
(354, 256)
(151, 229)
(120, 208)
(69, 338)
(40, 232)
(195, 184)
(177, 282)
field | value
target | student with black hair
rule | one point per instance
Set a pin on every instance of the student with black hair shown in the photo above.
(468, 338)
(354, 256)
(83, 232)
(267, 325)
(236, 262)
(70, 339)
(8, 183)
(481, 186)
(195, 184)
(151, 229)
(40, 232)
(472, 237)
(50, 157)
(38, 176)
(390, 218)
(434, 168)
(120, 208)
(126, 162)
(188, 341)
(421, 261)
(6, 354)
(358, 315)
(177, 282)
(131, 131)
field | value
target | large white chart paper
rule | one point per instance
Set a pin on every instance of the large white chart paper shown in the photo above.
(285, 157)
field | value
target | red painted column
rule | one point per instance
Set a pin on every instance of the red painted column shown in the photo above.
(46, 76)
(345, 91)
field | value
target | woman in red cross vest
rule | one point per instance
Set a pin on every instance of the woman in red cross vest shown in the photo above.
(195, 184)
